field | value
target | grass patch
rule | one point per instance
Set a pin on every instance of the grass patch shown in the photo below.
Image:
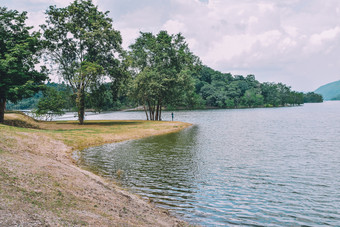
(31, 172)
(93, 133)
(48, 196)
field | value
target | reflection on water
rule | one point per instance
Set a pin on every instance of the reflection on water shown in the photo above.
(272, 167)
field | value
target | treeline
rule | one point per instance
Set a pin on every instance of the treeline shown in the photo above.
(97, 99)
(32, 102)
(80, 44)
(212, 89)
(312, 97)
(223, 90)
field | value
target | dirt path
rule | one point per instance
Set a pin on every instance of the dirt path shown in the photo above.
(40, 185)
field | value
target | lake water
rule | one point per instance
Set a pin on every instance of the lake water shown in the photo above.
(265, 167)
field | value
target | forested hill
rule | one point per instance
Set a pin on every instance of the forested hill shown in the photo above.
(212, 89)
(330, 91)
(224, 90)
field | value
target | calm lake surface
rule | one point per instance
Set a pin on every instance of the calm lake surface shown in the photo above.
(265, 167)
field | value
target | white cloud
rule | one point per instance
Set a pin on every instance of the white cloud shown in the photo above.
(192, 43)
(322, 42)
(324, 36)
(269, 38)
(287, 44)
(291, 30)
(230, 47)
(62, 3)
(35, 19)
(265, 7)
(293, 41)
(174, 27)
(130, 35)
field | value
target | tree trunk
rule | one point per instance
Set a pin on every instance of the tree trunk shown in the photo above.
(151, 111)
(160, 111)
(154, 112)
(81, 106)
(157, 112)
(2, 109)
(146, 112)
(149, 107)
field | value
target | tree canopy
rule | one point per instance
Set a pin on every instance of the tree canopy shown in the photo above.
(82, 41)
(51, 104)
(224, 90)
(312, 97)
(163, 65)
(19, 54)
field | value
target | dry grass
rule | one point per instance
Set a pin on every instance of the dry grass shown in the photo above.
(41, 185)
(94, 132)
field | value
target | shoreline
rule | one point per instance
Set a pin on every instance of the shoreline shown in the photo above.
(41, 184)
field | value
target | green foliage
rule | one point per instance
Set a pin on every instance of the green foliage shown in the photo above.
(223, 90)
(329, 91)
(19, 53)
(163, 67)
(312, 97)
(51, 104)
(32, 102)
(25, 104)
(83, 43)
(252, 97)
(101, 98)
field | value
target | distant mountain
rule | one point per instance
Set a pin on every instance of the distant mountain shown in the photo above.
(330, 91)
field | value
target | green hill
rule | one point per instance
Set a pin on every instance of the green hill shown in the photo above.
(329, 91)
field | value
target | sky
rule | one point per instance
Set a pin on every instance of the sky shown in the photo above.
(296, 42)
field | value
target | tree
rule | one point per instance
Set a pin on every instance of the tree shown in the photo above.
(101, 97)
(163, 67)
(252, 97)
(270, 93)
(32, 102)
(51, 104)
(19, 53)
(312, 97)
(86, 48)
(224, 90)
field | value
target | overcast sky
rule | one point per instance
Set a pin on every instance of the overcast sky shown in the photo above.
(296, 42)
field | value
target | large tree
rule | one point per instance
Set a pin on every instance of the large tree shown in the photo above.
(85, 46)
(19, 54)
(163, 67)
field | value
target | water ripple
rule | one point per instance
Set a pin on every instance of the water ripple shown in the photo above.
(256, 167)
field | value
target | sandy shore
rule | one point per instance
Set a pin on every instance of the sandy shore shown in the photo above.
(40, 185)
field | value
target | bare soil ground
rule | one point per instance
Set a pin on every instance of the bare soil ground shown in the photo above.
(40, 185)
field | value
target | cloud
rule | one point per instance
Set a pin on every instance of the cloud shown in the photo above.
(130, 35)
(174, 27)
(293, 41)
(324, 36)
(35, 19)
(322, 42)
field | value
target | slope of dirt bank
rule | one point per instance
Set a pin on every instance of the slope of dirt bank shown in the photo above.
(41, 185)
